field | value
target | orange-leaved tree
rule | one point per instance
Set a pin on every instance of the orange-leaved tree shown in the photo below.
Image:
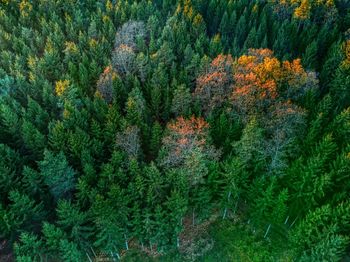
(183, 138)
(261, 80)
(212, 87)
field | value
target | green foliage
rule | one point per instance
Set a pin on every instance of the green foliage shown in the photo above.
(10, 165)
(69, 251)
(22, 213)
(30, 248)
(320, 234)
(142, 122)
(58, 175)
(75, 222)
(234, 242)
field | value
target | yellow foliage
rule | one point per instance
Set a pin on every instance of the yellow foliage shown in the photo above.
(109, 6)
(71, 48)
(106, 19)
(328, 3)
(217, 38)
(66, 113)
(25, 8)
(31, 61)
(188, 10)
(255, 8)
(198, 20)
(303, 11)
(32, 77)
(49, 46)
(92, 43)
(98, 94)
(269, 68)
(130, 103)
(347, 50)
(61, 87)
(246, 59)
(178, 9)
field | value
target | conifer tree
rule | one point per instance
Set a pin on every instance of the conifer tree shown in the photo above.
(57, 174)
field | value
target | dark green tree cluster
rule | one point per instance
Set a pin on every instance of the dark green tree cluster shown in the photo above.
(120, 121)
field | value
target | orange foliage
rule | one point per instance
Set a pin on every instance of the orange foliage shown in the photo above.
(260, 80)
(222, 63)
(105, 84)
(256, 75)
(188, 127)
(213, 87)
(254, 81)
(184, 136)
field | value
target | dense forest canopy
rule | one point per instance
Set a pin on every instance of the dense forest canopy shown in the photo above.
(175, 130)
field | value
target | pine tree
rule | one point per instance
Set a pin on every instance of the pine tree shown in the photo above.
(241, 30)
(310, 56)
(181, 101)
(33, 182)
(250, 148)
(224, 24)
(339, 86)
(316, 236)
(251, 40)
(10, 165)
(30, 248)
(23, 213)
(135, 107)
(311, 181)
(155, 184)
(234, 179)
(58, 175)
(70, 252)
(177, 207)
(75, 222)
(33, 139)
(52, 236)
(156, 139)
(333, 59)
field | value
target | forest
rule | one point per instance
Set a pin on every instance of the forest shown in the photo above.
(174, 130)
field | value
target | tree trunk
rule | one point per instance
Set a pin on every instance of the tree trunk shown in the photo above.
(285, 222)
(193, 217)
(93, 252)
(293, 222)
(225, 211)
(126, 243)
(267, 231)
(88, 256)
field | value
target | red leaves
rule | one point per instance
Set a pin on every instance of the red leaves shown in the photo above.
(253, 81)
(105, 84)
(184, 137)
(213, 87)
(222, 63)
(187, 130)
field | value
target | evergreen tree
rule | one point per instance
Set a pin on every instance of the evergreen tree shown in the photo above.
(75, 222)
(30, 248)
(22, 213)
(310, 56)
(181, 101)
(57, 174)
